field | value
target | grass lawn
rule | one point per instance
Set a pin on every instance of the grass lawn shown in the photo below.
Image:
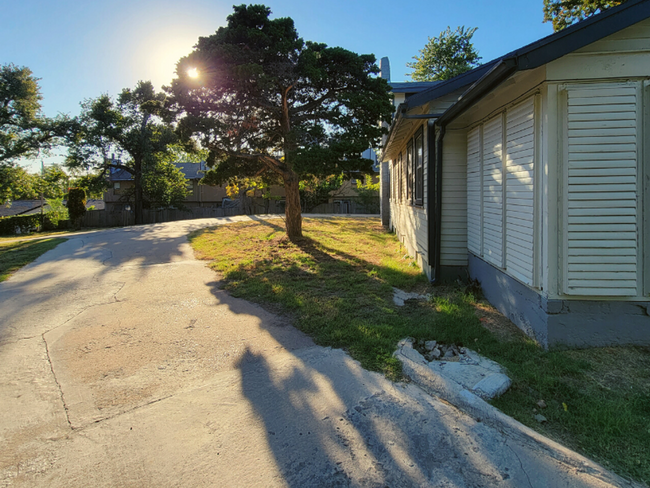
(15, 255)
(38, 235)
(337, 286)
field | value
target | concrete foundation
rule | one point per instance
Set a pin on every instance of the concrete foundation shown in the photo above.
(562, 322)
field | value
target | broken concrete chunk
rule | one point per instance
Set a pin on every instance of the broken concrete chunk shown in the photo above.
(541, 404)
(412, 354)
(540, 418)
(492, 386)
(400, 296)
(430, 345)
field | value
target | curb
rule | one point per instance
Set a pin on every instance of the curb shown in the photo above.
(450, 391)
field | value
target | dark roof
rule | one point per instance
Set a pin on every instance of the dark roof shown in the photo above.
(480, 81)
(119, 175)
(411, 86)
(19, 207)
(192, 171)
(30, 207)
(548, 48)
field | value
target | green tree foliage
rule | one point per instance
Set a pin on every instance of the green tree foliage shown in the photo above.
(17, 184)
(94, 184)
(368, 192)
(268, 103)
(53, 181)
(563, 13)
(131, 128)
(56, 212)
(24, 131)
(165, 186)
(76, 205)
(20, 117)
(314, 191)
(450, 54)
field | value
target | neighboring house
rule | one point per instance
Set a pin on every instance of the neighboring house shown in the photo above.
(531, 173)
(20, 207)
(199, 196)
(30, 207)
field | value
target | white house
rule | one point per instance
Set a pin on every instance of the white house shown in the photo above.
(531, 173)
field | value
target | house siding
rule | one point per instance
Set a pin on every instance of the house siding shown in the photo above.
(493, 191)
(601, 199)
(474, 191)
(409, 221)
(453, 236)
(621, 55)
(520, 190)
(501, 175)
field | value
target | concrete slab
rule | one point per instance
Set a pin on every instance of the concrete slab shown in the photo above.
(471, 371)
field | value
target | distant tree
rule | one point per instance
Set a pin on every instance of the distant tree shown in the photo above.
(134, 129)
(563, 13)
(450, 54)
(17, 184)
(53, 181)
(24, 131)
(315, 191)
(55, 212)
(368, 194)
(94, 184)
(266, 102)
(165, 186)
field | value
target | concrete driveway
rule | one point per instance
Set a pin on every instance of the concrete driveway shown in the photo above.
(122, 363)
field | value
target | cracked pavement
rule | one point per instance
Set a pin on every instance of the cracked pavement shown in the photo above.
(123, 363)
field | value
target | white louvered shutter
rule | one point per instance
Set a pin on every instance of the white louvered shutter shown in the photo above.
(474, 181)
(493, 192)
(601, 208)
(520, 191)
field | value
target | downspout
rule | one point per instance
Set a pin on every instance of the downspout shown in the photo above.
(434, 206)
(431, 141)
(438, 210)
(478, 90)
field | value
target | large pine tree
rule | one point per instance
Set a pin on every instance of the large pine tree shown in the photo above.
(266, 103)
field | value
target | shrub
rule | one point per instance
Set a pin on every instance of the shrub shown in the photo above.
(20, 224)
(56, 213)
(76, 205)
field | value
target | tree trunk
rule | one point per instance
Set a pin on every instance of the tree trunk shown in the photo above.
(137, 204)
(292, 209)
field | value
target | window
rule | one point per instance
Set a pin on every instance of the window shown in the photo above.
(400, 177)
(419, 168)
(409, 172)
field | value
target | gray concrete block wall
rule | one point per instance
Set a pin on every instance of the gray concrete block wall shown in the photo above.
(562, 322)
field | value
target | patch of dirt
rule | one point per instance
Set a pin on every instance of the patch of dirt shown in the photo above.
(497, 323)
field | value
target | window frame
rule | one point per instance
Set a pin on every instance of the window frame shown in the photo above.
(400, 169)
(409, 171)
(418, 167)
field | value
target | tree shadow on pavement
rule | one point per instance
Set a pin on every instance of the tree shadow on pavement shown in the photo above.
(329, 422)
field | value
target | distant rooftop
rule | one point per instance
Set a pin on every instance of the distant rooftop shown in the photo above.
(192, 171)
(410, 87)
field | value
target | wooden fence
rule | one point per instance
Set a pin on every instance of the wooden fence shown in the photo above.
(104, 218)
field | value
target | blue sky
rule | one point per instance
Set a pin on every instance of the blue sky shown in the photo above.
(80, 50)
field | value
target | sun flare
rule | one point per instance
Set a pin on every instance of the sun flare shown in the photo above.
(193, 73)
